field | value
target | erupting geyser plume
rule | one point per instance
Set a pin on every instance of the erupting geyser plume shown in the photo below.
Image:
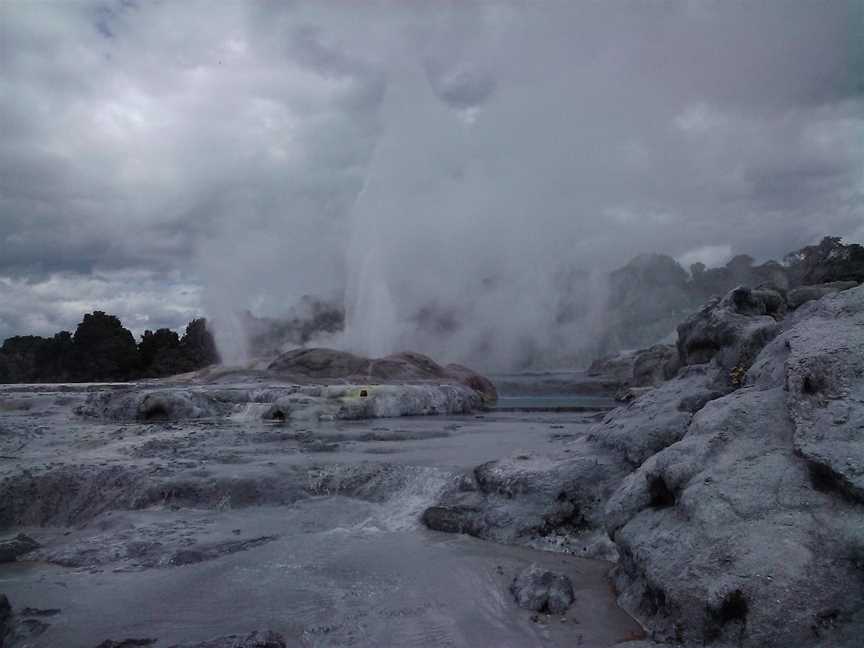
(406, 188)
(460, 178)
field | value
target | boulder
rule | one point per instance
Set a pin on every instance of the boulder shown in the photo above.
(551, 502)
(542, 590)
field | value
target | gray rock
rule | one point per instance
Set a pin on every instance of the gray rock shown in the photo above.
(156, 404)
(17, 546)
(820, 362)
(804, 294)
(729, 332)
(453, 519)
(653, 420)
(749, 530)
(718, 533)
(541, 590)
(321, 364)
(736, 511)
(280, 402)
(540, 501)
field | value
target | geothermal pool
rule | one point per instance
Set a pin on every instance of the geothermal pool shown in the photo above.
(180, 532)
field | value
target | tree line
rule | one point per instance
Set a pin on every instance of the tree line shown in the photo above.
(102, 349)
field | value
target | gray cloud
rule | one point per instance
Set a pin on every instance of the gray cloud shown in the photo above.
(404, 154)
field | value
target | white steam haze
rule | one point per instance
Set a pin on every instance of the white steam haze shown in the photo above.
(440, 168)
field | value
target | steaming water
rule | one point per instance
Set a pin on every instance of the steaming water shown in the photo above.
(342, 571)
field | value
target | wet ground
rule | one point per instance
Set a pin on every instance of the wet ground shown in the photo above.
(184, 531)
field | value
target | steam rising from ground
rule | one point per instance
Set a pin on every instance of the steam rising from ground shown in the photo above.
(512, 145)
(445, 170)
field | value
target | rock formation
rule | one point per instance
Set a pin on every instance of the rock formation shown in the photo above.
(303, 384)
(731, 494)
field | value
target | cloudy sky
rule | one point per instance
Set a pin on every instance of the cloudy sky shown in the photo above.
(161, 159)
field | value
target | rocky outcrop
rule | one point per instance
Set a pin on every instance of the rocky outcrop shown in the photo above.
(650, 295)
(279, 402)
(732, 495)
(746, 530)
(819, 362)
(322, 365)
(552, 502)
(730, 332)
(656, 419)
(322, 384)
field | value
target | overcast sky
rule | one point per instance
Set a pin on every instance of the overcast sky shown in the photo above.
(162, 159)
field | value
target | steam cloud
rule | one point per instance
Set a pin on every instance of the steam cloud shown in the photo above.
(443, 169)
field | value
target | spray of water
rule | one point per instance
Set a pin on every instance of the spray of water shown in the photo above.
(405, 187)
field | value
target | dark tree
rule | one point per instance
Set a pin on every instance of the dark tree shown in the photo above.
(198, 346)
(104, 349)
(159, 352)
